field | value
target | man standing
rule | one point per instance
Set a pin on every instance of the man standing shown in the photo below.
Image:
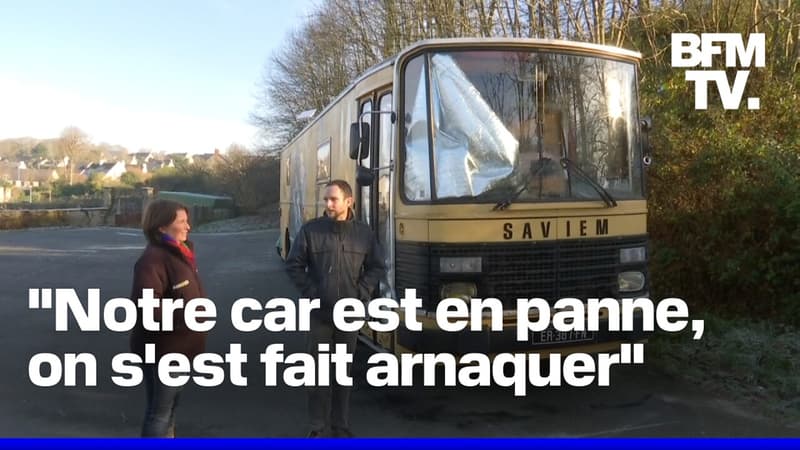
(334, 257)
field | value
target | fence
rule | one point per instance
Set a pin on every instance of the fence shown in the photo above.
(203, 208)
(117, 207)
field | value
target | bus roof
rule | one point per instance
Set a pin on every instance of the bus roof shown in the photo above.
(528, 43)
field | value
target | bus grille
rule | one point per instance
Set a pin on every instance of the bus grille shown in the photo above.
(550, 270)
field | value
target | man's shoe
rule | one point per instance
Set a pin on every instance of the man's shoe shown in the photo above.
(342, 432)
(316, 434)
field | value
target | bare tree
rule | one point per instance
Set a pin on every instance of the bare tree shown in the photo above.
(250, 177)
(73, 144)
(315, 64)
(342, 38)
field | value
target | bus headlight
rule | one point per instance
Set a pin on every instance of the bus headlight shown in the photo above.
(461, 264)
(630, 281)
(632, 255)
(459, 290)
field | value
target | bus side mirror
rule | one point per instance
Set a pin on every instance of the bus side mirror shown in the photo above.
(364, 176)
(359, 140)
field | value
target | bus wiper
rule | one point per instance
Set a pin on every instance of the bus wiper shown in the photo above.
(536, 167)
(607, 198)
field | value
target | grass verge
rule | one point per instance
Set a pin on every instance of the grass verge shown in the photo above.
(756, 364)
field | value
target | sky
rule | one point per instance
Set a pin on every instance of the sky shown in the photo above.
(169, 75)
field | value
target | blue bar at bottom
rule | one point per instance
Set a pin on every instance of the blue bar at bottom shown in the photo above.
(404, 444)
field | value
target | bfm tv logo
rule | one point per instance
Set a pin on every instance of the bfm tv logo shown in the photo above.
(701, 50)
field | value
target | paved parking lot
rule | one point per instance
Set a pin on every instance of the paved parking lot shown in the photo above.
(640, 401)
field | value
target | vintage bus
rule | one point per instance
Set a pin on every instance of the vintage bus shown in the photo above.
(502, 168)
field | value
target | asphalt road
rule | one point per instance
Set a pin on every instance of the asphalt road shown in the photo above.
(640, 402)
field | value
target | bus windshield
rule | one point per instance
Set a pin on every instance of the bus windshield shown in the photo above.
(498, 125)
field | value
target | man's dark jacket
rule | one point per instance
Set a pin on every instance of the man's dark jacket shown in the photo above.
(343, 259)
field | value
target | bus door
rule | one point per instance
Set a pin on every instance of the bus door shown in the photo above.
(363, 198)
(383, 154)
(373, 200)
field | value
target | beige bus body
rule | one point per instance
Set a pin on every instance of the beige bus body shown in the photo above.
(522, 231)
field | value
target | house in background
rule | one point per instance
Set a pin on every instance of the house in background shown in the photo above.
(178, 157)
(44, 163)
(11, 172)
(139, 158)
(18, 176)
(110, 170)
(156, 164)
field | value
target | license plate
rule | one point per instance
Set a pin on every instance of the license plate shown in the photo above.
(553, 336)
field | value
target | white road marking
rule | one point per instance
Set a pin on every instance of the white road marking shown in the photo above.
(116, 247)
(58, 251)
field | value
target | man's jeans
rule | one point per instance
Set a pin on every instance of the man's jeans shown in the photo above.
(159, 416)
(329, 406)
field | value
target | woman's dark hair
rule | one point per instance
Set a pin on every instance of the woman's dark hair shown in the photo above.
(159, 213)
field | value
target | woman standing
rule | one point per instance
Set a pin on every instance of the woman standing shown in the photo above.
(167, 266)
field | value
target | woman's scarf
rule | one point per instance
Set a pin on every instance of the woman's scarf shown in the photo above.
(186, 252)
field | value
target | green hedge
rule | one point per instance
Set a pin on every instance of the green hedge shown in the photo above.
(725, 202)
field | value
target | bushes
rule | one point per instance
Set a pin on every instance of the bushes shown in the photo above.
(251, 179)
(725, 187)
(62, 189)
(188, 178)
(725, 205)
